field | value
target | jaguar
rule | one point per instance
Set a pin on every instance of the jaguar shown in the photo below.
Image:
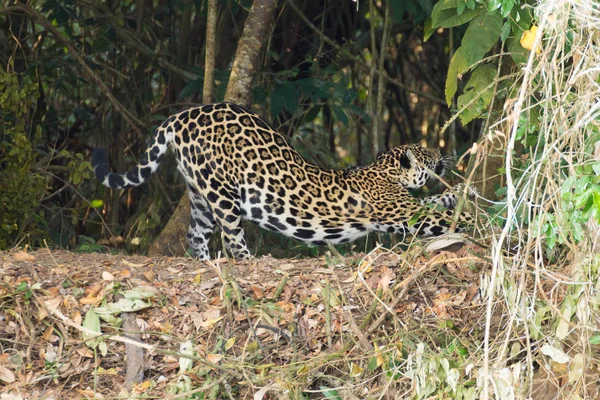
(237, 167)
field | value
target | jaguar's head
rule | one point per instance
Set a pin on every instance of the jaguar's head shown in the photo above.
(412, 165)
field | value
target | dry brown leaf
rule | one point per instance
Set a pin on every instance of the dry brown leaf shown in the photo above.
(387, 276)
(47, 333)
(42, 313)
(133, 265)
(214, 358)
(149, 275)
(472, 292)
(450, 242)
(76, 317)
(257, 292)
(112, 241)
(166, 327)
(326, 271)
(459, 298)
(90, 300)
(53, 291)
(23, 256)
(197, 319)
(125, 273)
(6, 375)
(211, 317)
(93, 289)
(53, 303)
(60, 270)
(107, 276)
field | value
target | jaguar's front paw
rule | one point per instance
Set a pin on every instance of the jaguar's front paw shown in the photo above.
(460, 189)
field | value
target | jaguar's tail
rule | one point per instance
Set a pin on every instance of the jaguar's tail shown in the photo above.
(147, 165)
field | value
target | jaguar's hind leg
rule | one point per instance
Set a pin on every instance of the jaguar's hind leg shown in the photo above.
(225, 205)
(202, 225)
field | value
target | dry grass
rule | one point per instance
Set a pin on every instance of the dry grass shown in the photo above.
(549, 297)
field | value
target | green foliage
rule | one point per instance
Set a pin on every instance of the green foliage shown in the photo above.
(580, 195)
(473, 98)
(487, 24)
(451, 13)
(79, 167)
(21, 187)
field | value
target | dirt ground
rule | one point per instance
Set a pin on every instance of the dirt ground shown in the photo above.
(248, 326)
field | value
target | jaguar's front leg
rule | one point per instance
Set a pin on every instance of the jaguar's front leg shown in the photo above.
(435, 223)
(449, 198)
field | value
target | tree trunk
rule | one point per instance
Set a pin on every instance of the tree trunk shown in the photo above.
(256, 31)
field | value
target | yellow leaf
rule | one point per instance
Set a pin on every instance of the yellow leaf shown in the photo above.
(355, 370)
(96, 203)
(229, 344)
(528, 38)
(144, 385)
(252, 347)
(365, 267)
(303, 370)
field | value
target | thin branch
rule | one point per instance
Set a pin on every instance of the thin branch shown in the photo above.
(359, 62)
(137, 44)
(128, 115)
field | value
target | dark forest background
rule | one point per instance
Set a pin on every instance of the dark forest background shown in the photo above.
(79, 74)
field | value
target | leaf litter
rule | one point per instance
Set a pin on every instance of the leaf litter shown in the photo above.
(267, 327)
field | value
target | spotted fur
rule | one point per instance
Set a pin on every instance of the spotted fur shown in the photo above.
(237, 167)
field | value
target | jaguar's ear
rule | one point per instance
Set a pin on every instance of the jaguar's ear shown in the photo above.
(407, 159)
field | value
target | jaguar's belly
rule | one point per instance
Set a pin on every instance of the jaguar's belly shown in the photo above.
(276, 215)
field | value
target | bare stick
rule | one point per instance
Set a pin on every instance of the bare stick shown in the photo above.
(209, 58)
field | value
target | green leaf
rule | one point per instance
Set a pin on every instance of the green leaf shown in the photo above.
(330, 393)
(91, 322)
(481, 35)
(21, 286)
(597, 203)
(483, 32)
(97, 203)
(458, 65)
(505, 6)
(340, 115)
(428, 30)
(445, 14)
(372, 364)
(520, 22)
(311, 114)
(595, 339)
(477, 87)
(140, 293)
(284, 97)
(505, 31)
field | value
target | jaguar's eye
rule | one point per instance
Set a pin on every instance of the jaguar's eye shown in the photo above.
(405, 161)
